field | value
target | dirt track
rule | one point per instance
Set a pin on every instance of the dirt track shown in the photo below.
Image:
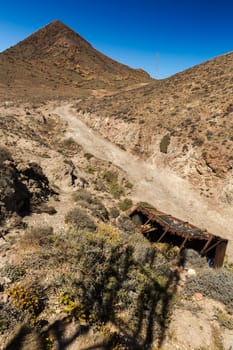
(160, 187)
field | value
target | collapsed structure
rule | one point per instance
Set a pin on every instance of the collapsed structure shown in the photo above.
(161, 227)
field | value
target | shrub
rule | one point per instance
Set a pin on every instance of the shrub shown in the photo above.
(26, 298)
(80, 220)
(83, 195)
(125, 224)
(111, 279)
(115, 188)
(88, 156)
(198, 142)
(107, 232)
(73, 308)
(69, 143)
(128, 184)
(145, 204)
(164, 143)
(114, 282)
(40, 236)
(9, 317)
(114, 212)
(69, 146)
(224, 319)
(110, 176)
(209, 134)
(126, 204)
(4, 155)
(87, 200)
(215, 284)
(13, 272)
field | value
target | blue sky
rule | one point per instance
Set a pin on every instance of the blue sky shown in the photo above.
(160, 36)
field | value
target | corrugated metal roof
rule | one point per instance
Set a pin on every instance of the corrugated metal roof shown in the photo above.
(182, 226)
(171, 223)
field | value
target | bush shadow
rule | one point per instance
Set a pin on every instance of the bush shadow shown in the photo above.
(121, 291)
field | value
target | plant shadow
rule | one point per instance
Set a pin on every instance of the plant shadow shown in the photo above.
(150, 301)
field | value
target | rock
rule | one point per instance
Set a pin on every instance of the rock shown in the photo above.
(5, 280)
(191, 273)
(217, 159)
(227, 193)
(3, 298)
(191, 258)
(23, 188)
(197, 296)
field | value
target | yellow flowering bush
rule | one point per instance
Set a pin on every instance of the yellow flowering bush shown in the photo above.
(25, 298)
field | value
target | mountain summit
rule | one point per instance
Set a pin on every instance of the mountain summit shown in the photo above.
(57, 59)
(51, 41)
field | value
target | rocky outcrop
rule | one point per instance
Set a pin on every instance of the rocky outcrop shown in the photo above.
(23, 188)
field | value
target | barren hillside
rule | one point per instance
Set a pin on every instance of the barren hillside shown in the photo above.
(56, 61)
(183, 123)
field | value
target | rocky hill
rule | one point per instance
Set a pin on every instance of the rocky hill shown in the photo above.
(57, 61)
(183, 123)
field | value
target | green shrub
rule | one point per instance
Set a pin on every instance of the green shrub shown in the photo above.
(108, 233)
(126, 204)
(164, 143)
(73, 308)
(91, 202)
(115, 188)
(90, 170)
(112, 276)
(114, 212)
(110, 176)
(80, 220)
(13, 272)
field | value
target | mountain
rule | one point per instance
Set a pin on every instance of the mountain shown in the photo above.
(57, 61)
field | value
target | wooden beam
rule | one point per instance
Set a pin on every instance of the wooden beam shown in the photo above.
(152, 229)
(206, 245)
(220, 254)
(147, 222)
(183, 244)
(213, 246)
(163, 234)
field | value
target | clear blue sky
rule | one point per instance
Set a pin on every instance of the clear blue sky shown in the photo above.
(160, 36)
